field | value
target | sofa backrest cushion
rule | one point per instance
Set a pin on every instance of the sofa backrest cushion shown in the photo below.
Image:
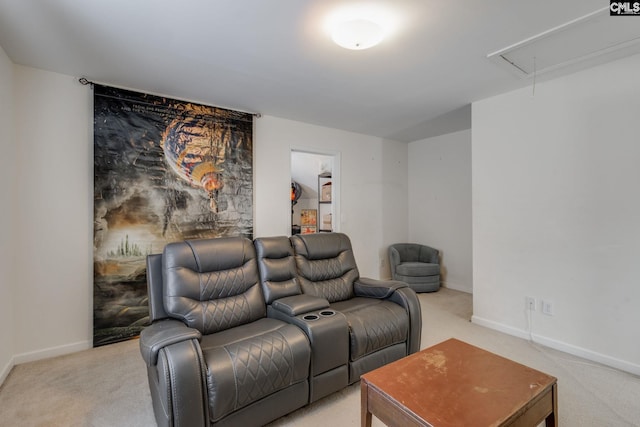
(277, 268)
(415, 252)
(326, 265)
(408, 252)
(212, 284)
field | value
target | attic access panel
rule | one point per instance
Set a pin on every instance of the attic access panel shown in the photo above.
(586, 41)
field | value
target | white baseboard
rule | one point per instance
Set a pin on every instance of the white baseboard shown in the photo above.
(593, 356)
(51, 352)
(457, 287)
(509, 330)
(5, 371)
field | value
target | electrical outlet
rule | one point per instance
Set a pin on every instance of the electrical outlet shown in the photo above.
(547, 308)
(530, 303)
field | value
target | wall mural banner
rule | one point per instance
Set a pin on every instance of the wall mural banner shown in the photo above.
(164, 170)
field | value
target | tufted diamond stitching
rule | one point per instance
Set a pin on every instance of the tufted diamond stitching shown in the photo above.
(332, 290)
(327, 279)
(262, 364)
(383, 325)
(325, 269)
(225, 313)
(222, 284)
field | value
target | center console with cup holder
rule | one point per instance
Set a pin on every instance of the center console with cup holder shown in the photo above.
(327, 330)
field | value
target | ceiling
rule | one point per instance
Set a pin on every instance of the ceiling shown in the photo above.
(274, 58)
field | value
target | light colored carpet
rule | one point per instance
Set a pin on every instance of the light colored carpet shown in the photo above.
(107, 386)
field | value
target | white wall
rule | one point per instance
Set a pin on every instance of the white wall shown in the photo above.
(394, 200)
(440, 203)
(556, 212)
(373, 185)
(53, 232)
(53, 243)
(8, 179)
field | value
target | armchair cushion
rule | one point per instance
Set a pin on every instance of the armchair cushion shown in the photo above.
(417, 269)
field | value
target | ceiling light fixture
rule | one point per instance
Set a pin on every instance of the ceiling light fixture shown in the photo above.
(357, 34)
(362, 25)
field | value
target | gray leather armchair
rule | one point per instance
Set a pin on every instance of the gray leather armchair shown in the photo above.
(384, 319)
(213, 356)
(417, 265)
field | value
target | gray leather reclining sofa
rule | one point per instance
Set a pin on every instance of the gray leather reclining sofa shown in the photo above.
(245, 332)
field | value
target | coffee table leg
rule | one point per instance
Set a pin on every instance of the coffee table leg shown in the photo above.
(552, 419)
(365, 415)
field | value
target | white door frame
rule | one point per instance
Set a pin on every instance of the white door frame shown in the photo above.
(335, 180)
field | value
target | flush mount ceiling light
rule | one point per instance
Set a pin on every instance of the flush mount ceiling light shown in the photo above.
(357, 34)
(360, 26)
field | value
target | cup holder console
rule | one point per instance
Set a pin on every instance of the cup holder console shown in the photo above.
(327, 313)
(311, 317)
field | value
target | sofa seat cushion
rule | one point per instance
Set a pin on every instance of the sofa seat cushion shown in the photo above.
(249, 362)
(416, 269)
(373, 324)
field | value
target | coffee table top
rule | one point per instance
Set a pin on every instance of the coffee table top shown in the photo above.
(454, 383)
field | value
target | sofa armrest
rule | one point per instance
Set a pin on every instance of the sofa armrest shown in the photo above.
(162, 334)
(408, 299)
(372, 288)
(299, 304)
(178, 385)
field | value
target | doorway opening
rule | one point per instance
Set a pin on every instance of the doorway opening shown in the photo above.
(315, 191)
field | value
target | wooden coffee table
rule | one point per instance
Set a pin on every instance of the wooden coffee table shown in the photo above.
(456, 384)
